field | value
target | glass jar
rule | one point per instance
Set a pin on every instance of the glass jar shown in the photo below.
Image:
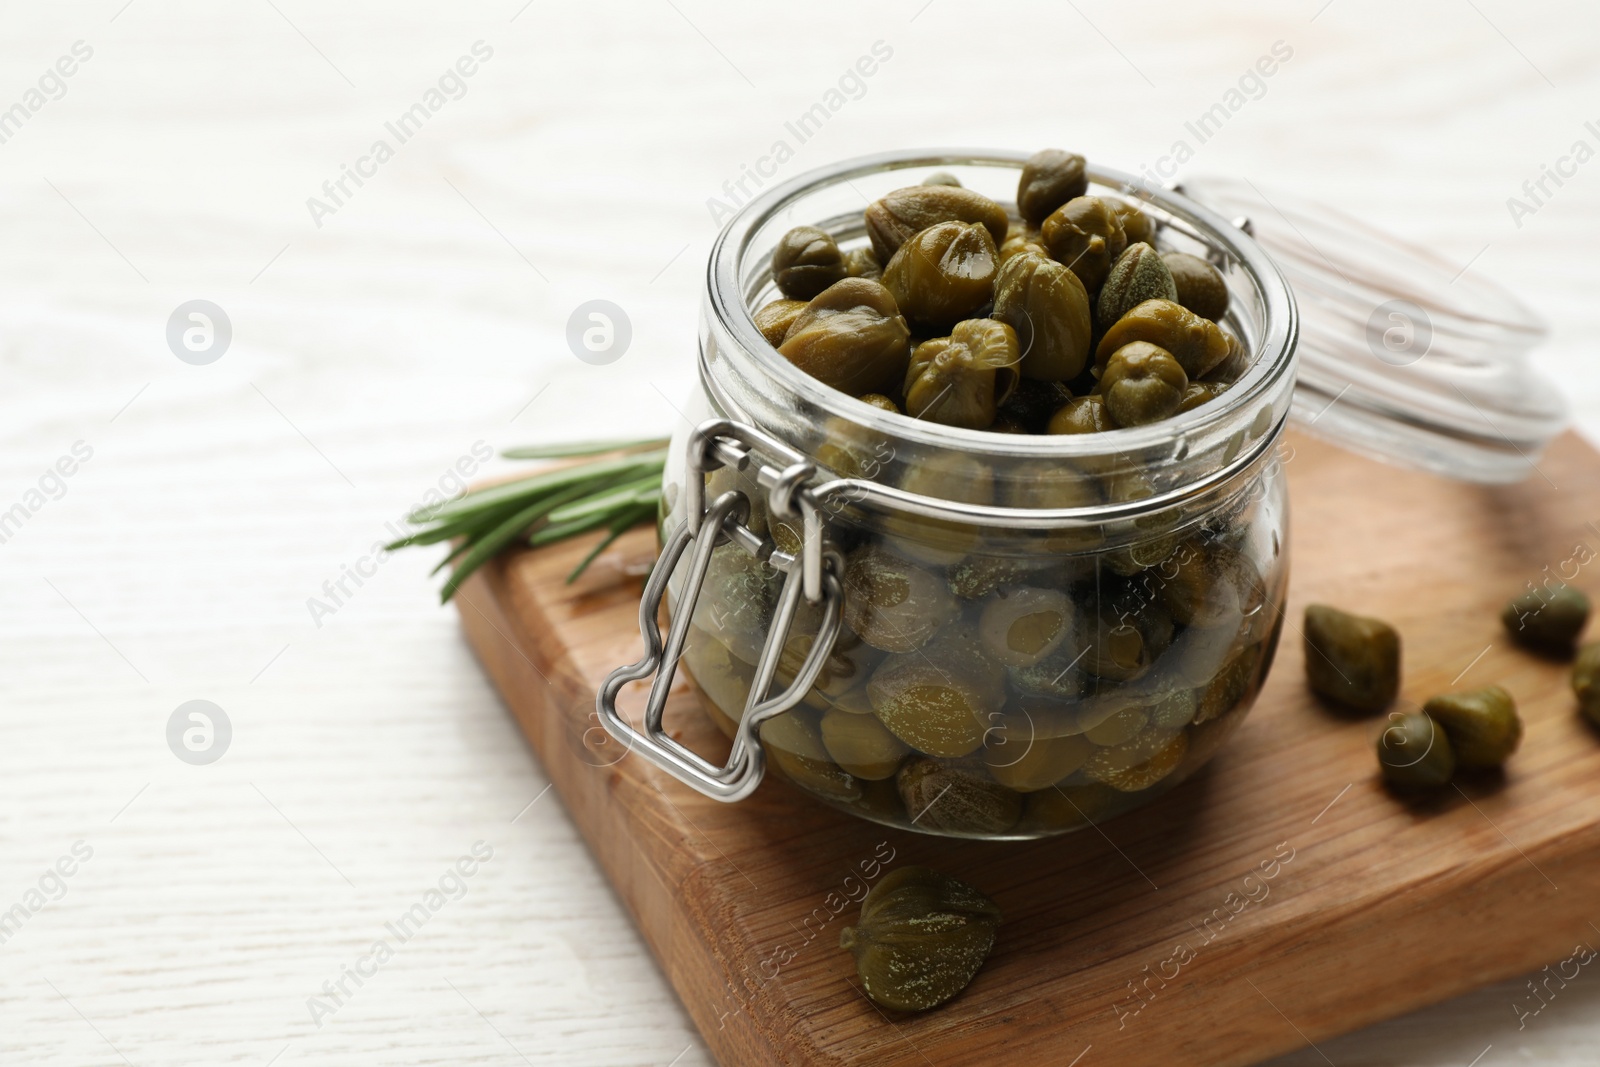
(963, 632)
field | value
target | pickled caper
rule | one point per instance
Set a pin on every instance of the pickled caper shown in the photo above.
(1023, 626)
(1142, 384)
(1048, 306)
(1086, 235)
(921, 938)
(943, 274)
(962, 380)
(775, 318)
(1140, 763)
(862, 745)
(793, 744)
(1138, 224)
(852, 337)
(952, 799)
(957, 476)
(736, 601)
(894, 219)
(1200, 286)
(1019, 757)
(893, 604)
(1586, 681)
(806, 261)
(934, 705)
(1414, 751)
(1351, 660)
(879, 401)
(862, 263)
(1197, 344)
(1082, 414)
(1549, 619)
(1482, 725)
(1049, 179)
(1138, 275)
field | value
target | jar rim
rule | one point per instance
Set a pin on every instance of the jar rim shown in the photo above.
(1273, 359)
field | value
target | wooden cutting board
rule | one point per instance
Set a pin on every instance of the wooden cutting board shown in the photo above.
(1280, 897)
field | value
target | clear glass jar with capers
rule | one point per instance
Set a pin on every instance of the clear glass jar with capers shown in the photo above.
(980, 531)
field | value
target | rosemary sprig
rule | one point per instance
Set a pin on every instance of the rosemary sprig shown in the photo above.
(615, 493)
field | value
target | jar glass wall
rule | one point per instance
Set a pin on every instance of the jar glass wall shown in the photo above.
(1000, 675)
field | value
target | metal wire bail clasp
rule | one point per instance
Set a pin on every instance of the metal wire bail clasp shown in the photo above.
(815, 573)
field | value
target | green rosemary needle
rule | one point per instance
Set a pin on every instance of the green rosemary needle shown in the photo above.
(615, 493)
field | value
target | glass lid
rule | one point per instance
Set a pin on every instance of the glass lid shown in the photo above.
(1403, 355)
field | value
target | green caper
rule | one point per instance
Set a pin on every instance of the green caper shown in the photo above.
(1026, 762)
(962, 380)
(943, 274)
(862, 263)
(1055, 682)
(1232, 367)
(1231, 684)
(724, 679)
(1414, 751)
(794, 745)
(1200, 286)
(1139, 225)
(952, 799)
(862, 745)
(942, 177)
(1549, 618)
(894, 219)
(879, 401)
(921, 938)
(1197, 344)
(1205, 584)
(1123, 630)
(806, 261)
(1137, 275)
(894, 605)
(1199, 393)
(1049, 179)
(940, 698)
(976, 577)
(1586, 681)
(775, 318)
(1049, 308)
(1021, 240)
(851, 336)
(1082, 414)
(736, 601)
(1351, 660)
(1140, 762)
(1085, 234)
(1119, 727)
(956, 476)
(1142, 384)
(1023, 626)
(1482, 725)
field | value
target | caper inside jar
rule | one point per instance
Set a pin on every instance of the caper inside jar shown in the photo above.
(1001, 682)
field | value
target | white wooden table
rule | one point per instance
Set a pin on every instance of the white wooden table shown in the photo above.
(379, 338)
